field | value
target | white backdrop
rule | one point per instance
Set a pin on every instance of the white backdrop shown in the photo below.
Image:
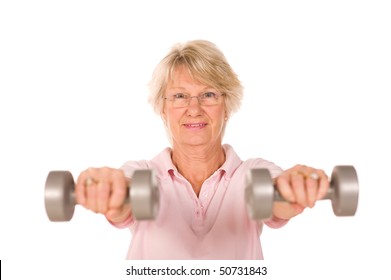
(73, 94)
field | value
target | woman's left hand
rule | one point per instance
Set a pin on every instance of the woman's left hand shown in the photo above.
(301, 186)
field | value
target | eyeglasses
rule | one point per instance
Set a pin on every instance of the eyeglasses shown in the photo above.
(180, 100)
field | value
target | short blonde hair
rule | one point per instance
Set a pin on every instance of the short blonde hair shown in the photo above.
(206, 63)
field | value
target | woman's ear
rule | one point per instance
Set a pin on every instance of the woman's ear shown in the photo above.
(164, 116)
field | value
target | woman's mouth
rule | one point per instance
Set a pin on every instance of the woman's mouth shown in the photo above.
(195, 125)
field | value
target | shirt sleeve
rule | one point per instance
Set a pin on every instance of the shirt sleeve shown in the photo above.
(125, 224)
(275, 222)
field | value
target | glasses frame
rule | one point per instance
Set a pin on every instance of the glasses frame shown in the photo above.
(200, 99)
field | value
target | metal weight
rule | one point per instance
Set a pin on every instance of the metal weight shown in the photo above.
(144, 195)
(60, 202)
(344, 198)
(260, 193)
(59, 196)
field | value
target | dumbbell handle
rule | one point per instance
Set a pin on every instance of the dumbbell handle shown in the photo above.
(72, 197)
(278, 197)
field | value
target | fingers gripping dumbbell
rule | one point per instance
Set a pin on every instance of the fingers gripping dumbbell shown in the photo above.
(260, 193)
(60, 202)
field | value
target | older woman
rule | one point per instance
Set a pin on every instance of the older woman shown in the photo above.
(201, 181)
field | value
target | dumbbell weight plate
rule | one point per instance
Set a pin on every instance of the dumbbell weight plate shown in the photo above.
(59, 198)
(144, 195)
(259, 194)
(344, 182)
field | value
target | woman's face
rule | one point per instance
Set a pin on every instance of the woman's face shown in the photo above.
(195, 124)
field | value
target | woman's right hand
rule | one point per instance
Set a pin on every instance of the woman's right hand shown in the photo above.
(104, 190)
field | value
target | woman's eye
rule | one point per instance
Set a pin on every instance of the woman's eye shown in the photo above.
(179, 96)
(209, 94)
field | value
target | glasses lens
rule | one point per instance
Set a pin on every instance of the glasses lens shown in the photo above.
(180, 102)
(206, 99)
(209, 98)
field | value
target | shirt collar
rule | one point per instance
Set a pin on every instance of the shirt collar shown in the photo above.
(232, 161)
(164, 165)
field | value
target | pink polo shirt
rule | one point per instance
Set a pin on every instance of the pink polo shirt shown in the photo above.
(214, 225)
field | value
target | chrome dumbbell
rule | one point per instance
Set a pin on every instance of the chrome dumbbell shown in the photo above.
(260, 193)
(143, 195)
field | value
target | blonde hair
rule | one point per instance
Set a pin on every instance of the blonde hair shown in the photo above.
(206, 63)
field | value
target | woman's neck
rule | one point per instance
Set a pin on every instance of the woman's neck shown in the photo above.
(197, 163)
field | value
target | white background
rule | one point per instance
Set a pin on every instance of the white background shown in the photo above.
(73, 94)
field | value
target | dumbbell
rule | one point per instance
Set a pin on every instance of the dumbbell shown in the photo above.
(260, 193)
(60, 202)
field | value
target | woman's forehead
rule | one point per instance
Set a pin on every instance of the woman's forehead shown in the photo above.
(181, 75)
